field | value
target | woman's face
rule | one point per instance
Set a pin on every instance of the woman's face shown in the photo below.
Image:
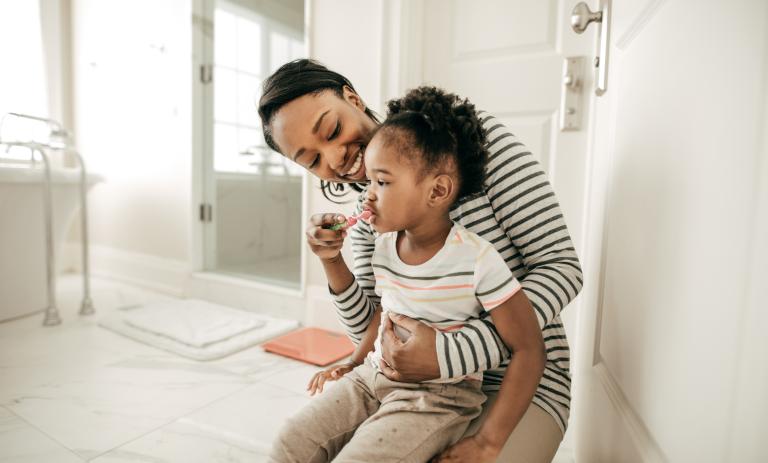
(326, 134)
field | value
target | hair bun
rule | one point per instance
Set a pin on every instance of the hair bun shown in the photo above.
(442, 123)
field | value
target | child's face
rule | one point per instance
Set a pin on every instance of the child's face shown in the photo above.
(397, 195)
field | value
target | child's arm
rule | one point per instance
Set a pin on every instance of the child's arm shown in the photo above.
(518, 327)
(369, 337)
(358, 356)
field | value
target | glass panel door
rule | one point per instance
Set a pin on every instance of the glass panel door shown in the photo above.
(255, 194)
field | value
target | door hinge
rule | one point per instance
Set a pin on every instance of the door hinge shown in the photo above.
(206, 213)
(206, 73)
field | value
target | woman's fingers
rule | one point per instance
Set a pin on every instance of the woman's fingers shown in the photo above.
(327, 219)
(413, 360)
(323, 241)
(324, 235)
(389, 340)
(389, 372)
(318, 233)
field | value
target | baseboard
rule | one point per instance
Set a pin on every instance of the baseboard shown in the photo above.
(645, 444)
(247, 295)
(175, 278)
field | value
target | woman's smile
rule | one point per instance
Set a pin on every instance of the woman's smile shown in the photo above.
(357, 170)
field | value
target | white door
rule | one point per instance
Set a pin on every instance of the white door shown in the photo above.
(507, 58)
(670, 363)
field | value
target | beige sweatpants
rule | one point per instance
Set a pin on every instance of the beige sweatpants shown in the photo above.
(369, 418)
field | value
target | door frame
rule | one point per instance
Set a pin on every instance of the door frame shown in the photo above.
(203, 183)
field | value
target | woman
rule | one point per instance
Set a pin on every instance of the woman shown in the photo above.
(314, 117)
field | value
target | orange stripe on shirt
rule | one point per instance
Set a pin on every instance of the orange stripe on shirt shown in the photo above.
(451, 328)
(492, 304)
(395, 282)
(459, 237)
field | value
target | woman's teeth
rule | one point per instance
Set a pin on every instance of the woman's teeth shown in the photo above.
(355, 167)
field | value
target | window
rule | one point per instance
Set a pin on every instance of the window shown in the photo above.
(247, 48)
(22, 80)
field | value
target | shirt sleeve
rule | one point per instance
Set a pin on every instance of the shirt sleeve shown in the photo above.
(494, 281)
(526, 207)
(355, 305)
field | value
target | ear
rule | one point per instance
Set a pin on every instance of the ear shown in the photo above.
(353, 98)
(442, 190)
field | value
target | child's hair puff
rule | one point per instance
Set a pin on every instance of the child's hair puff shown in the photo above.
(442, 126)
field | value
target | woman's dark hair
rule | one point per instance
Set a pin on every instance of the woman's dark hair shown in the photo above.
(296, 79)
(441, 127)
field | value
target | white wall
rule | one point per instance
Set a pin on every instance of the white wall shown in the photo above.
(133, 123)
(353, 50)
(132, 118)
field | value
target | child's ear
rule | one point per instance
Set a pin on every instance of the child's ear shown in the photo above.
(442, 190)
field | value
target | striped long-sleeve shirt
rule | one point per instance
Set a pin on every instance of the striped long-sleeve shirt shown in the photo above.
(519, 214)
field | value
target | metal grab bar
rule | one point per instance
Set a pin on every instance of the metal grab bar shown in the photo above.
(52, 316)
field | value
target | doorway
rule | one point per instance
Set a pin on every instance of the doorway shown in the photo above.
(251, 208)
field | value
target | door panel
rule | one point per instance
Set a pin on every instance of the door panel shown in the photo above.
(503, 56)
(678, 131)
(507, 58)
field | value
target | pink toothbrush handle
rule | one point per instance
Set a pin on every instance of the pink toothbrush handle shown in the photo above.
(351, 220)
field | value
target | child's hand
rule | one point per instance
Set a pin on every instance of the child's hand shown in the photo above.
(331, 374)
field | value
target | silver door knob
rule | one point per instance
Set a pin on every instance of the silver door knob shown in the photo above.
(582, 16)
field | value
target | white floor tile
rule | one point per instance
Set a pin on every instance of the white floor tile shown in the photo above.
(117, 403)
(254, 414)
(238, 428)
(187, 442)
(20, 442)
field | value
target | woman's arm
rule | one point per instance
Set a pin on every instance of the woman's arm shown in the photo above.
(353, 291)
(525, 205)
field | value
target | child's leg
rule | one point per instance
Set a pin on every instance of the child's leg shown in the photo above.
(414, 421)
(319, 431)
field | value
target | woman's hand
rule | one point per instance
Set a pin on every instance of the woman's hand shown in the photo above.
(411, 361)
(325, 243)
(472, 449)
(330, 374)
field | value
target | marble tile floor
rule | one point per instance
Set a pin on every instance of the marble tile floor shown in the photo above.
(77, 392)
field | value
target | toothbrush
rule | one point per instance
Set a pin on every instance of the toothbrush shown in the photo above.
(351, 220)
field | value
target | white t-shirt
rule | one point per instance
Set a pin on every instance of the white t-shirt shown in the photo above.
(464, 279)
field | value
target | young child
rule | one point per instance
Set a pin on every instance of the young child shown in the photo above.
(428, 154)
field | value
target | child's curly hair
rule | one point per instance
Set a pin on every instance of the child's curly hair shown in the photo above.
(442, 127)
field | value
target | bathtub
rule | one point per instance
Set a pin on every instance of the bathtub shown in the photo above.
(23, 282)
